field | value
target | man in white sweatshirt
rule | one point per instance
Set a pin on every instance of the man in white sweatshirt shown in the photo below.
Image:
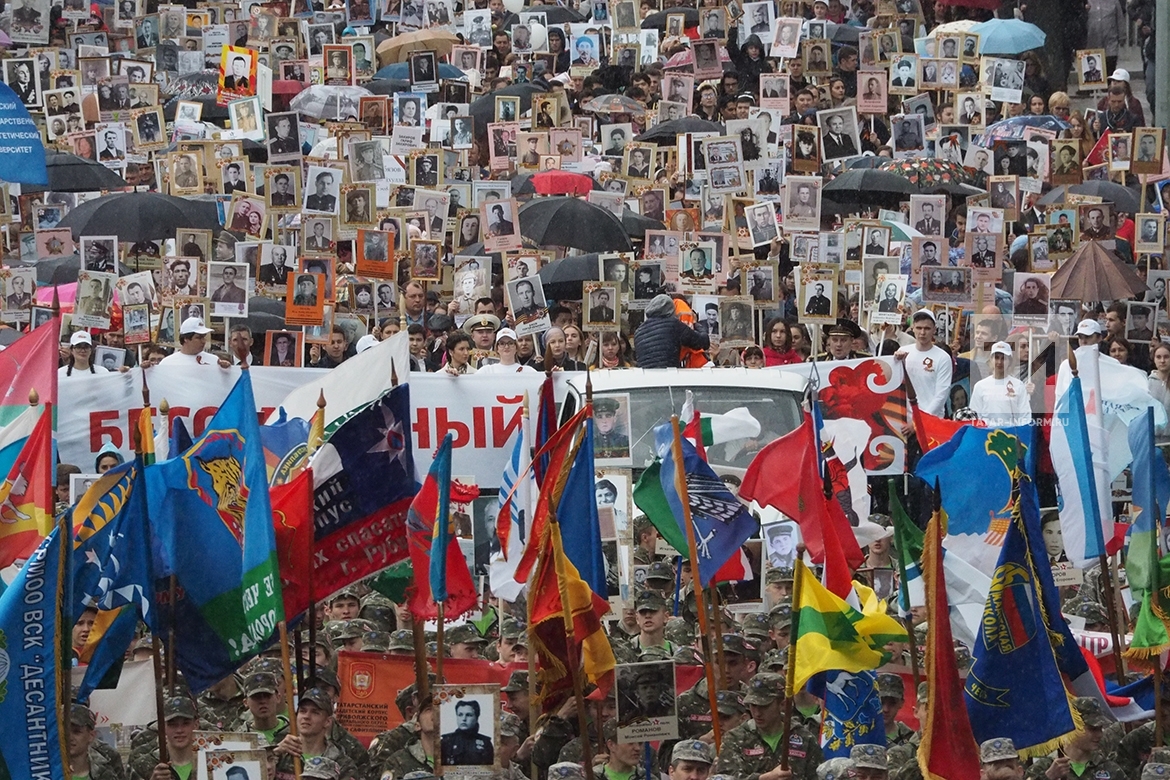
(1001, 400)
(927, 365)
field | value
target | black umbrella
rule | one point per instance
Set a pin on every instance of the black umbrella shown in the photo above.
(562, 278)
(483, 109)
(667, 132)
(387, 86)
(636, 225)
(553, 14)
(64, 270)
(573, 222)
(657, 21)
(70, 173)
(265, 314)
(1122, 198)
(860, 187)
(140, 216)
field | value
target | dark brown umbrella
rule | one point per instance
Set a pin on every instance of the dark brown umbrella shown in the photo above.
(1093, 273)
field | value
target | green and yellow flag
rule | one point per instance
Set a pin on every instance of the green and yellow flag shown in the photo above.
(832, 634)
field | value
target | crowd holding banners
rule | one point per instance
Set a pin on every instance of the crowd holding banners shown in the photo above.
(400, 195)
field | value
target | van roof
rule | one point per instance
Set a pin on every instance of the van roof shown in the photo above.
(609, 380)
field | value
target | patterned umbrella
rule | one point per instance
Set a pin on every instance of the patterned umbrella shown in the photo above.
(1013, 129)
(928, 173)
(614, 104)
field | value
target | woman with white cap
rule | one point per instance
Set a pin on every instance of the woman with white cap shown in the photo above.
(80, 357)
(506, 350)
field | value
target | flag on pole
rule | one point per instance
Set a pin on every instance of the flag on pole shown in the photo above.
(32, 648)
(27, 364)
(853, 713)
(577, 516)
(517, 489)
(564, 624)
(948, 750)
(1150, 570)
(546, 426)
(26, 495)
(440, 570)
(1079, 458)
(292, 522)
(210, 511)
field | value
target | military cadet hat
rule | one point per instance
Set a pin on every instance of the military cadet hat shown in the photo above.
(891, 686)
(566, 770)
(778, 576)
(478, 321)
(660, 570)
(773, 659)
(737, 644)
(348, 592)
(464, 633)
(843, 327)
(833, 769)
(512, 628)
(650, 600)
(1091, 611)
(781, 615)
(260, 682)
(609, 730)
(692, 750)
(641, 522)
(402, 639)
(80, 715)
(1154, 771)
(324, 676)
(517, 681)
(609, 405)
(998, 749)
(510, 724)
(764, 688)
(730, 703)
(321, 767)
(318, 696)
(1092, 713)
(350, 629)
(757, 625)
(179, 707)
(869, 756)
(375, 642)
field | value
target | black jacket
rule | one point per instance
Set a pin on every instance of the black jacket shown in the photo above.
(659, 340)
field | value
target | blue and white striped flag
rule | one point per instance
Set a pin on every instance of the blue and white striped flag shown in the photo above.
(515, 508)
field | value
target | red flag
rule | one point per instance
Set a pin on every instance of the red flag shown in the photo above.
(556, 582)
(786, 475)
(932, 431)
(30, 363)
(292, 518)
(948, 750)
(26, 494)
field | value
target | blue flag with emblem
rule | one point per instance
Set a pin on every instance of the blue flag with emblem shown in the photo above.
(112, 565)
(853, 712)
(1015, 688)
(210, 510)
(577, 514)
(32, 657)
(721, 521)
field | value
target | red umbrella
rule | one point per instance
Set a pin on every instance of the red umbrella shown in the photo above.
(561, 183)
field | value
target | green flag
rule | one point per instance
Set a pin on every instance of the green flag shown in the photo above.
(910, 540)
(648, 497)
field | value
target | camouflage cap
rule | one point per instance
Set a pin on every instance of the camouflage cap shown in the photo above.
(1159, 755)
(679, 631)
(833, 769)
(1091, 711)
(650, 600)
(179, 707)
(891, 686)
(1091, 611)
(402, 639)
(781, 615)
(774, 660)
(464, 633)
(609, 730)
(1154, 771)
(322, 768)
(660, 570)
(510, 724)
(80, 715)
(350, 629)
(764, 688)
(641, 522)
(260, 682)
(730, 703)
(512, 628)
(375, 642)
(998, 749)
(757, 625)
(264, 664)
(318, 696)
(326, 677)
(376, 599)
(566, 770)
(517, 681)
(692, 750)
(348, 592)
(869, 756)
(737, 644)
(778, 576)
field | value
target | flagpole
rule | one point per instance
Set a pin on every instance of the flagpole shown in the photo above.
(1159, 724)
(439, 644)
(790, 675)
(680, 481)
(288, 687)
(533, 714)
(64, 693)
(717, 626)
(314, 442)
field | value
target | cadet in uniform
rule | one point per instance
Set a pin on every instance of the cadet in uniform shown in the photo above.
(181, 718)
(998, 757)
(691, 758)
(892, 691)
(84, 760)
(222, 705)
(645, 538)
(263, 715)
(753, 748)
(314, 719)
(321, 768)
(510, 729)
(1083, 749)
(623, 759)
(869, 762)
(516, 696)
(652, 614)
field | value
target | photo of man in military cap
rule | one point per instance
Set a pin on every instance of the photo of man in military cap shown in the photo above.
(646, 700)
(611, 420)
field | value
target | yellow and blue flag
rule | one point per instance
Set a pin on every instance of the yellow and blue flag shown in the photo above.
(577, 515)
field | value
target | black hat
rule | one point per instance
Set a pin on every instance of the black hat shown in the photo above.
(843, 327)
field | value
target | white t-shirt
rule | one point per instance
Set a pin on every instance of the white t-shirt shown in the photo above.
(1002, 403)
(63, 372)
(500, 368)
(930, 373)
(202, 359)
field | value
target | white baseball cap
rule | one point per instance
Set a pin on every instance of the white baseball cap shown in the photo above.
(365, 342)
(80, 337)
(506, 333)
(1089, 328)
(1001, 348)
(193, 325)
(921, 313)
(1120, 74)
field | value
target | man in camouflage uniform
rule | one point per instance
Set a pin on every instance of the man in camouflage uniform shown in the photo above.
(321, 768)
(694, 711)
(645, 540)
(326, 679)
(777, 586)
(507, 743)
(512, 633)
(264, 705)
(222, 705)
(181, 718)
(652, 616)
(464, 641)
(516, 696)
(691, 759)
(1136, 747)
(660, 578)
(386, 744)
(742, 657)
(623, 760)
(905, 754)
(892, 691)
(752, 751)
(757, 626)
(869, 762)
(417, 756)
(557, 739)
(346, 604)
(1000, 760)
(1084, 749)
(84, 760)
(314, 718)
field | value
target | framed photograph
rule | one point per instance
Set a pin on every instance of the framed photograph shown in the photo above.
(872, 92)
(802, 208)
(1090, 67)
(806, 149)
(1004, 195)
(600, 303)
(100, 253)
(1063, 316)
(786, 41)
(95, 295)
(424, 72)
(985, 254)
(237, 73)
(1066, 162)
(775, 93)
(1096, 221)
(647, 707)
(132, 288)
(424, 260)
(359, 206)
(780, 544)
(282, 188)
(888, 299)
(185, 173)
(927, 214)
(1149, 150)
(1120, 151)
(904, 75)
(469, 717)
(761, 223)
(1030, 292)
(1139, 323)
(985, 220)
(1061, 241)
(1039, 260)
(245, 117)
(735, 321)
(816, 293)
(840, 137)
(909, 135)
(1150, 233)
(283, 137)
(110, 358)
(284, 348)
(228, 287)
(322, 188)
(136, 323)
(374, 254)
(707, 64)
(305, 304)
(947, 285)
(1007, 79)
(79, 484)
(501, 228)
(611, 416)
(759, 279)
(876, 241)
(248, 214)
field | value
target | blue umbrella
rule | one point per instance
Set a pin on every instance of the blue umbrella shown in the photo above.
(1008, 36)
(401, 70)
(1012, 129)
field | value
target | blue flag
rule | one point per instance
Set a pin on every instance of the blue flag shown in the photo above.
(32, 641)
(721, 521)
(853, 711)
(22, 153)
(577, 514)
(1014, 688)
(286, 447)
(112, 565)
(209, 508)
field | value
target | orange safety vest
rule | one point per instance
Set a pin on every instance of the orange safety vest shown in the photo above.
(688, 358)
